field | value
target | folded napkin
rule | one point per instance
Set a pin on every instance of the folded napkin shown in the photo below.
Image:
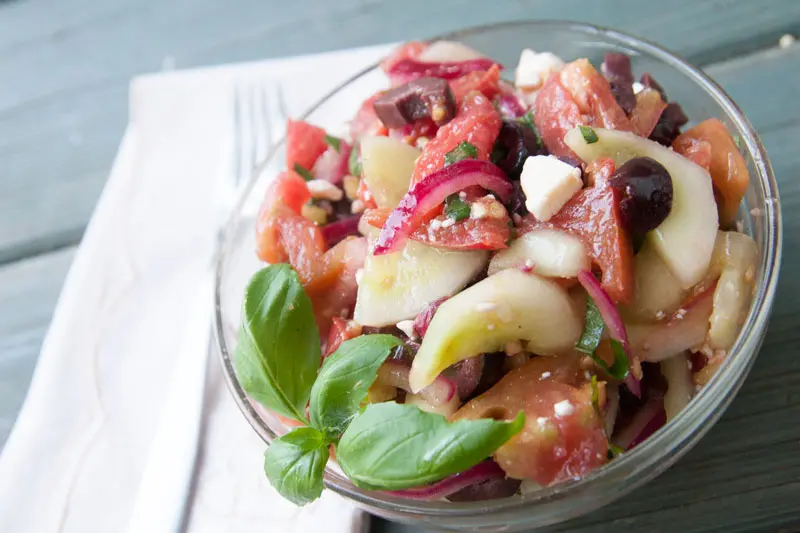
(76, 455)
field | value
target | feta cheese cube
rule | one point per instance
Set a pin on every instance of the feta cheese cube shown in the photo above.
(324, 190)
(548, 184)
(534, 69)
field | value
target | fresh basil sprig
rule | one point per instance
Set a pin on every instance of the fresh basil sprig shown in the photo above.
(333, 142)
(303, 171)
(464, 150)
(278, 352)
(295, 462)
(390, 446)
(589, 135)
(354, 162)
(276, 362)
(344, 380)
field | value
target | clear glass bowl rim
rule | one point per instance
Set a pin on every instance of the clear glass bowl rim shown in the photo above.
(664, 447)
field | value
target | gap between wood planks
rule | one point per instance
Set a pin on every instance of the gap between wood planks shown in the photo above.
(754, 49)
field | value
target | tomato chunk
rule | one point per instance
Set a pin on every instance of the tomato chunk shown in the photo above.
(576, 95)
(409, 50)
(304, 144)
(725, 164)
(341, 330)
(593, 215)
(477, 123)
(483, 81)
(563, 437)
(287, 189)
(649, 106)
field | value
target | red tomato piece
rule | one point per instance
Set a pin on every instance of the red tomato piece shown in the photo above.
(563, 437)
(645, 115)
(304, 144)
(725, 164)
(287, 189)
(341, 330)
(593, 215)
(339, 297)
(576, 95)
(698, 151)
(484, 81)
(477, 123)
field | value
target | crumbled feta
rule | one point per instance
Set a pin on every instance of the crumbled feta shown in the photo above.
(637, 87)
(545, 375)
(435, 224)
(484, 307)
(563, 408)
(325, 190)
(462, 195)
(548, 184)
(448, 222)
(660, 315)
(407, 327)
(533, 69)
(680, 313)
(357, 207)
(541, 421)
(478, 210)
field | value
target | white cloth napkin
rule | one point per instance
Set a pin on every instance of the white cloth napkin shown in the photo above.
(75, 457)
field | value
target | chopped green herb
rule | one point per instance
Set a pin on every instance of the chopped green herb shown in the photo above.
(333, 142)
(304, 173)
(354, 162)
(614, 450)
(527, 121)
(593, 329)
(456, 208)
(621, 367)
(588, 134)
(464, 150)
(595, 394)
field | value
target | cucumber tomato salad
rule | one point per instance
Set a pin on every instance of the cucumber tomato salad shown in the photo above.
(483, 287)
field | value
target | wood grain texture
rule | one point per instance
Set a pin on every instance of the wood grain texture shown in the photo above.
(28, 293)
(66, 65)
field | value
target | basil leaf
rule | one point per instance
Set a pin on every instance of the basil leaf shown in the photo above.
(294, 464)
(344, 379)
(278, 353)
(354, 162)
(588, 134)
(334, 142)
(614, 450)
(527, 121)
(456, 208)
(464, 150)
(621, 367)
(592, 329)
(303, 171)
(389, 446)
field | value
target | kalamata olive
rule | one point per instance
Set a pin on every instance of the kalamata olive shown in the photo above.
(645, 187)
(491, 489)
(516, 205)
(650, 82)
(617, 70)
(513, 146)
(422, 98)
(669, 124)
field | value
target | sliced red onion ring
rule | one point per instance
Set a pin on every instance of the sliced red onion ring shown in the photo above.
(332, 165)
(645, 422)
(337, 231)
(431, 191)
(466, 375)
(423, 319)
(480, 472)
(508, 103)
(409, 69)
(395, 373)
(613, 321)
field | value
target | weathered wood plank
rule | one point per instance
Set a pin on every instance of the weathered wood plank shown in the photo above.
(28, 293)
(66, 67)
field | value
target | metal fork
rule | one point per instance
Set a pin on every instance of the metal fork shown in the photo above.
(165, 491)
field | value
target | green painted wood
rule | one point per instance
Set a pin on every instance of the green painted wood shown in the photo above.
(65, 68)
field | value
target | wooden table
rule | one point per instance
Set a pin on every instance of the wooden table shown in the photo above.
(64, 72)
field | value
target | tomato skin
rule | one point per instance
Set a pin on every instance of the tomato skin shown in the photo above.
(477, 123)
(555, 444)
(725, 164)
(483, 81)
(366, 121)
(287, 189)
(304, 144)
(576, 95)
(649, 106)
(593, 215)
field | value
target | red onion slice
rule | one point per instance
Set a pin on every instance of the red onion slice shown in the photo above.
(452, 484)
(613, 321)
(395, 373)
(332, 165)
(431, 191)
(466, 375)
(645, 422)
(508, 103)
(423, 319)
(338, 230)
(409, 69)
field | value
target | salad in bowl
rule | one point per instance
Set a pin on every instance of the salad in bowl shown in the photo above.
(494, 280)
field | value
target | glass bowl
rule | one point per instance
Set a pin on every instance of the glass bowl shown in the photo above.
(701, 98)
